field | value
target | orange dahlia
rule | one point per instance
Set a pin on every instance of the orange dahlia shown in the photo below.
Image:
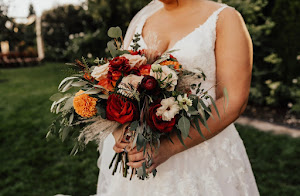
(176, 64)
(84, 105)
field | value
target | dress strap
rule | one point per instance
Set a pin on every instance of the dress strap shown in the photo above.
(215, 18)
(217, 12)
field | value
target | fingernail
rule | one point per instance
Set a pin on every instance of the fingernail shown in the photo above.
(128, 164)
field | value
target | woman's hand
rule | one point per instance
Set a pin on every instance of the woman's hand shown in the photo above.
(137, 158)
(120, 142)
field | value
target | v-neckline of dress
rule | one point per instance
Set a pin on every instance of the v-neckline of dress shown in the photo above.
(180, 40)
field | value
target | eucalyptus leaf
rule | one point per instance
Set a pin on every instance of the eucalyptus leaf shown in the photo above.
(67, 87)
(62, 99)
(154, 173)
(139, 172)
(75, 149)
(226, 98)
(180, 138)
(112, 49)
(144, 169)
(58, 108)
(203, 121)
(98, 86)
(196, 122)
(140, 141)
(121, 52)
(192, 111)
(69, 104)
(65, 133)
(56, 97)
(103, 96)
(52, 107)
(184, 126)
(114, 32)
(134, 125)
(215, 106)
(93, 91)
(71, 118)
(65, 80)
(79, 83)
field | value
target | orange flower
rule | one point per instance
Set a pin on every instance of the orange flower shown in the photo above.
(176, 64)
(145, 70)
(87, 76)
(107, 84)
(84, 105)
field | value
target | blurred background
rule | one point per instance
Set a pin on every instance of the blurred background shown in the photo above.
(37, 37)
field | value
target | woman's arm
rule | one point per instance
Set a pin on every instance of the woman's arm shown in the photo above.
(234, 66)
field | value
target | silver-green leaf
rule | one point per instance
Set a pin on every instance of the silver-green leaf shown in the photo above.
(114, 32)
(184, 126)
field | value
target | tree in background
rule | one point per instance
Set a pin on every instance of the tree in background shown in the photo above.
(31, 10)
(105, 13)
(62, 24)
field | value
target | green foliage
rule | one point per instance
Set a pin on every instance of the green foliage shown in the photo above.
(274, 29)
(63, 24)
(106, 14)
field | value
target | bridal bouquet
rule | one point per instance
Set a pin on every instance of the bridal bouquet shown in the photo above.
(134, 94)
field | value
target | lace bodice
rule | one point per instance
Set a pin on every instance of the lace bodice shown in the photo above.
(195, 51)
(217, 167)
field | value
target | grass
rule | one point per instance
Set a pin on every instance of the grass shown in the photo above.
(30, 166)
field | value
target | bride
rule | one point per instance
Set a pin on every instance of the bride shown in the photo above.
(213, 37)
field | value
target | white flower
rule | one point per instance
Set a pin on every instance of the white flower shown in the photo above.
(129, 84)
(135, 60)
(184, 102)
(169, 108)
(167, 76)
(100, 71)
(156, 67)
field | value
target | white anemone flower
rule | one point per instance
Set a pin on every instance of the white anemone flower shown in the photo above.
(169, 108)
(184, 102)
(156, 68)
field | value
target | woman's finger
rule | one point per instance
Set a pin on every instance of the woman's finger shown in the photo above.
(117, 149)
(133, 151)
(136, 157)
(121, 144)
(136, 164)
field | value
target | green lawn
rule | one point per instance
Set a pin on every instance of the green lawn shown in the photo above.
(30, 166)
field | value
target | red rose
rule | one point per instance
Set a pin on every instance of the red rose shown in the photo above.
(150, 85)
(156, 123)
(120, 109)
(139, 52)
(135, 71)
(120, 64)
(145, 69)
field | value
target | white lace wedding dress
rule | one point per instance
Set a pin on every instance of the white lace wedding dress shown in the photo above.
(219, 166)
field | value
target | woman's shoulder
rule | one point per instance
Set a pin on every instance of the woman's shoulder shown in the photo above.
(214, 6)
